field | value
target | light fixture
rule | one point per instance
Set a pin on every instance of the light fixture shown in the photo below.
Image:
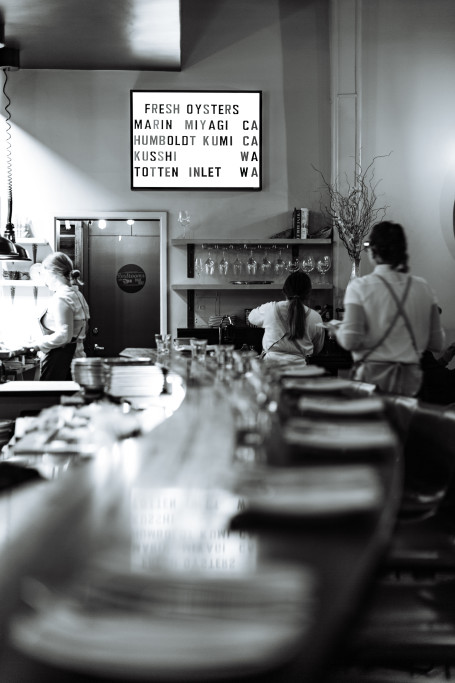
(102, 224)
(9, 251)
(9, 58)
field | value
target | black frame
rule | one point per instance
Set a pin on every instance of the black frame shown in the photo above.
(256, 186)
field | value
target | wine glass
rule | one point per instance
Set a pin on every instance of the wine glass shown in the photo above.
(223, 265)
(198, 266)
(266, 265)
(209, 265)
(251, 264)
(237, 266)
(279, 265)
(184, 220)
(308, 264)
(293, 264)
(323, 265)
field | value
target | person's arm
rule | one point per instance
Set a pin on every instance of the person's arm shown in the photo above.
(351, 333)
(63, 323)
(318, 337)
(256, 316)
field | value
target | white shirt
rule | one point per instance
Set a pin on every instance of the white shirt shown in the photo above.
(266, 316)
(59, 332)
(364, 326)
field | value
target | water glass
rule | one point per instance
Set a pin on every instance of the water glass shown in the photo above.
(163, 343)
(199, 350)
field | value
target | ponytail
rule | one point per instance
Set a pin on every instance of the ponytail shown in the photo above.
(297, 288)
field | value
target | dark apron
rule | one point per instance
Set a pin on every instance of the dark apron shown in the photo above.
(56, 364)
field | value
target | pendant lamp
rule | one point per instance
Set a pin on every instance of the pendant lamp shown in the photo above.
(9, 250)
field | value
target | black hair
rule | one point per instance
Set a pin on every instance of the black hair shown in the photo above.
(388, 241)
(297, 288)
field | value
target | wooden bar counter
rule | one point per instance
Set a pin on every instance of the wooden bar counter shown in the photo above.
(162, 557)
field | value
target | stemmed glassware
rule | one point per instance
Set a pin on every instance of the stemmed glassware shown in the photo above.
(279, 265)
(184, 219)
(308, 264)
(237, 266)
(209, 265)
(251, 264)
(266, 265)
(323, 264)
(223, 265)
(198, 268)
(293, 265)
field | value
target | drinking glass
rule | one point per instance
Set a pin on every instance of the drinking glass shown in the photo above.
(237, 266)
(279, 266)
(223, 265)
(323, 265)
(209, 264)
(251, 264)
(293, 265)
(266, 265)
(184, 220)
(163, 343)
(198, 267)
(308, 264)
(198, 349)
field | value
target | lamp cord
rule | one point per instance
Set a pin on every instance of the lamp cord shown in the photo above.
(8, 150)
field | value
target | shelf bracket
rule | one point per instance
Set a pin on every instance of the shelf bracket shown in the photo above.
(190, 308)
(190, 260)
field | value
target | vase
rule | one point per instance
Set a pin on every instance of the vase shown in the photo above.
(355, 269)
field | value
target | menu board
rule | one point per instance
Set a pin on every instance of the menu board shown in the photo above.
(196, 139)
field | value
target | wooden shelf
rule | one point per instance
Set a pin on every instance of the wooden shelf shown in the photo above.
(178, 242)
(31, 240)
(239, 288)
(20, 283)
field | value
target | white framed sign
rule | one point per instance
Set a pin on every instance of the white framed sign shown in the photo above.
(183, 139)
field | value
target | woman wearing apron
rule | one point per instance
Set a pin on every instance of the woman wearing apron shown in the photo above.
(292, 330)
(64, 323)
(391, 317)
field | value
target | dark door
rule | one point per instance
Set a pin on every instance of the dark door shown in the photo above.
(122, 286)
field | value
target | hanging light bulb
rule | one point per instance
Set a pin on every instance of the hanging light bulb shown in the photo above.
(102, 224)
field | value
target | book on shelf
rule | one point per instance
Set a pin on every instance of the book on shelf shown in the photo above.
(297, 223)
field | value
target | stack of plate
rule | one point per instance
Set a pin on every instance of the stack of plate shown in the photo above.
(130, 378)
(89, 373)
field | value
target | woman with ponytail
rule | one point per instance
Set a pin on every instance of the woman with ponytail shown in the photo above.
(291, 329)
(390, 317)
(64, 322)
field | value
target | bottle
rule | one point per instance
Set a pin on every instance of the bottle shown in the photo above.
(305, 220)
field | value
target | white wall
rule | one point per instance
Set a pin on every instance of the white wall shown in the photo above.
(408, 108)
(71, 128)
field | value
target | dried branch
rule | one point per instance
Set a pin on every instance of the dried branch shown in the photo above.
(353, 211)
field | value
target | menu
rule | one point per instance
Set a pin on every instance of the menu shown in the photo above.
(195, 139)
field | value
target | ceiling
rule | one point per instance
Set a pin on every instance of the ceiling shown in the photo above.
(138, 35)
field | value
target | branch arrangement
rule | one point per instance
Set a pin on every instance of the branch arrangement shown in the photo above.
(353, 211)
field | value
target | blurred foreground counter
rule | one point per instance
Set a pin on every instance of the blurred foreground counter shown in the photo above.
(169, 548)
(22, 397)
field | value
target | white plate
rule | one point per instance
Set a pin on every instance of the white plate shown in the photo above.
(179, 627)
(321, 385)
(318, 491)
(330, 406)
(358, 436)
(303, 371)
